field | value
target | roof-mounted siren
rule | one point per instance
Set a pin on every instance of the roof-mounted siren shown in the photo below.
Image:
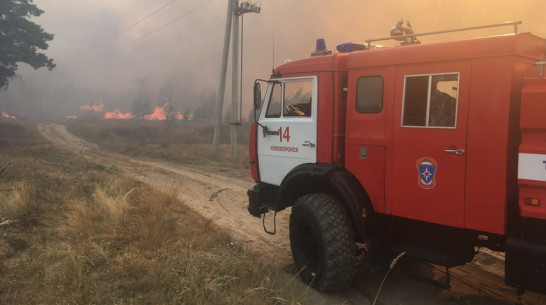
(321, 48)
(348, 47)
(401, 29)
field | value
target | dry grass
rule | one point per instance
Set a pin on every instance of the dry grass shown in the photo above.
(187, 141)
(15, 198)
(85, 235)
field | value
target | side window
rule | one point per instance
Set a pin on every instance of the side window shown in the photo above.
(415, 101)
(275, 102)
(369, 94)
(297, 98)
(430, 100)
(443, 100)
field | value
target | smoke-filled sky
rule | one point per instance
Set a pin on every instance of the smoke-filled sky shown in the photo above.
(176, 53)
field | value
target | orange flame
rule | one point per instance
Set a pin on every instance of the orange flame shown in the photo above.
(159, 114)
(5, 115)
(99, 108)
(116, 114)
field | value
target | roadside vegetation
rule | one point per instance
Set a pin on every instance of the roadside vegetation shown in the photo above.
(180, 141)
(74, 232)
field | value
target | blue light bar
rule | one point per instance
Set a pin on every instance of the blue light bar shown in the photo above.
(321, 45)
(350, 47)
(321, 48)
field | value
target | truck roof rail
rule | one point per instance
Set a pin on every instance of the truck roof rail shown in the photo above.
(514, 23)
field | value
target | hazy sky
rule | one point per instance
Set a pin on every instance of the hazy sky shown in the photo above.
(98, 64)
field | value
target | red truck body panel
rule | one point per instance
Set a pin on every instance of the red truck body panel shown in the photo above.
(490, 73)
(374, 131)
(253, 152)
(533, 142)
(491, 70)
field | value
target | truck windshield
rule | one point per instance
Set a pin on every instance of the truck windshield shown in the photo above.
(291, 99)
(297, 98)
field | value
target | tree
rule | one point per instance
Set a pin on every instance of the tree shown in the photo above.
(170, 111)
(20, 39)
(205, 110)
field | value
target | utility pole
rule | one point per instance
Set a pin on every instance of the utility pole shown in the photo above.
(222, 86)
(234, 79)
(235, 10)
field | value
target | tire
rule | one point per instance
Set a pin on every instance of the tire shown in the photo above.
(323, 242)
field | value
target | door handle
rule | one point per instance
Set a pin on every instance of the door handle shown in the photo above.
(455, 151)
(308, 144)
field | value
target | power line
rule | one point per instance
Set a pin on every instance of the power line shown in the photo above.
(143, 19)
(97, 44)
(153, 31)
(167, 24)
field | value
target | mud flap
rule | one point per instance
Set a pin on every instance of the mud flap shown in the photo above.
(255, 208)
(525, 265)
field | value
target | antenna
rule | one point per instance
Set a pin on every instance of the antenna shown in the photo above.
(273, 63)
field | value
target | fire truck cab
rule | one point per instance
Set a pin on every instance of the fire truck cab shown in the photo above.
(432, 149)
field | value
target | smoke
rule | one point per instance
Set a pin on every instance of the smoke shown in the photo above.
(102, 62)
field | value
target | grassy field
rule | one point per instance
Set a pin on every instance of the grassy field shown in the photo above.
(186, 141)
(74, 233)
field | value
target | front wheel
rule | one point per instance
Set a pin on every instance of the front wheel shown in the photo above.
(323, 242)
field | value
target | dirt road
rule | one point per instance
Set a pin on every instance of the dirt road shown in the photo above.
(219, 195)
(208, 189)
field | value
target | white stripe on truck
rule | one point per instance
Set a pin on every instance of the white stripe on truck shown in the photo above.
(532, 167)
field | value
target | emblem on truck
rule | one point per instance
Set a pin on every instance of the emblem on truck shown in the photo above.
(426, 168)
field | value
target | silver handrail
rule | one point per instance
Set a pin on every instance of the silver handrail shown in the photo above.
(541, 64)
(514, 23)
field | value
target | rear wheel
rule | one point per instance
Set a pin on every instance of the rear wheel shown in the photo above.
(323, 242)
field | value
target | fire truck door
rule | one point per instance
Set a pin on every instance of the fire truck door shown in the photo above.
(429, 143)
(287, 134)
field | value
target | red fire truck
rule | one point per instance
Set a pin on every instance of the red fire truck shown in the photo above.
(432, 149)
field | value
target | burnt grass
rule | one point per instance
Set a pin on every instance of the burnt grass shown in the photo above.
(77, 233)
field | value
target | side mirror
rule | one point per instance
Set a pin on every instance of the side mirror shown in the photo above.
(257, 96)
